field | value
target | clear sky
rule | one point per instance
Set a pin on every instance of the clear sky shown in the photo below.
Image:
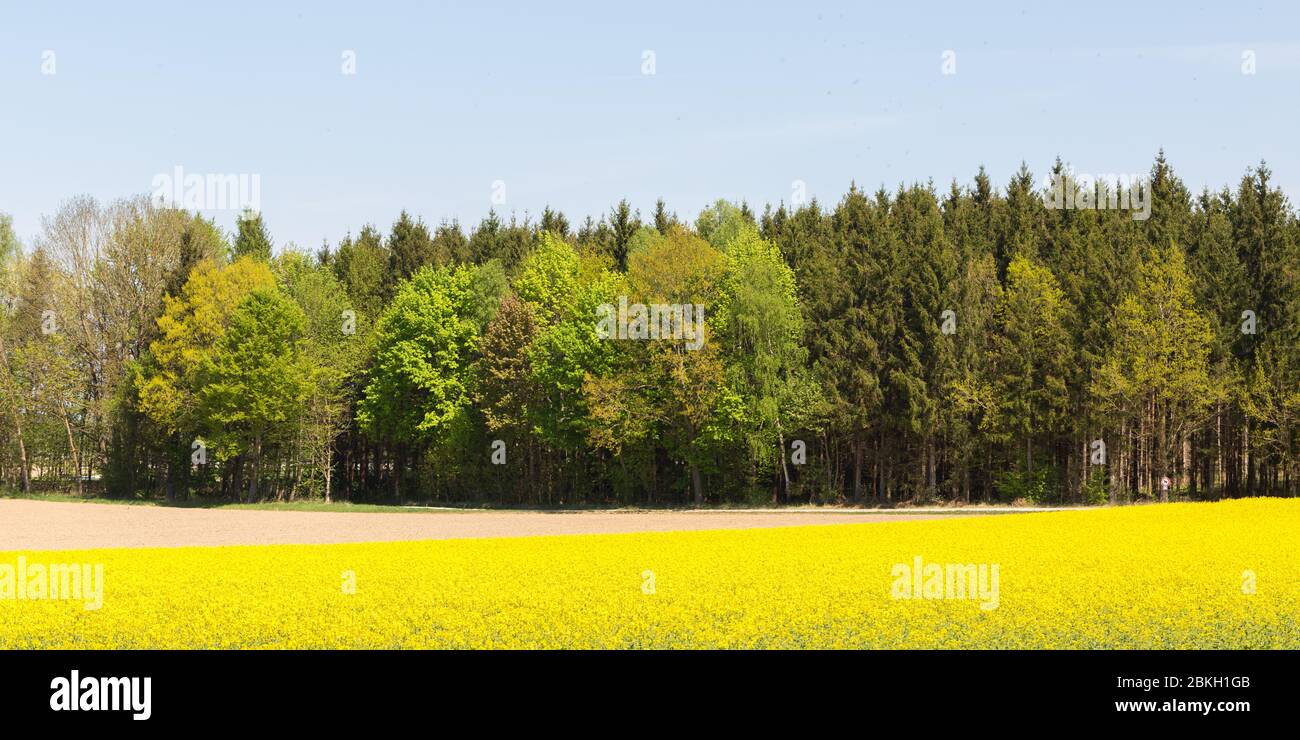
(550, 98)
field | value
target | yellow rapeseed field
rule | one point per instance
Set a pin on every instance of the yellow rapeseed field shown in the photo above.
(1222, 575)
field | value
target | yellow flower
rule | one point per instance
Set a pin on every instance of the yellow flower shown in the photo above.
(1221, 575)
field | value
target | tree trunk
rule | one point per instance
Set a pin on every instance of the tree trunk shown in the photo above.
(697, 484)
(72, 445)
(1162, 448)
(785, 470)
(255, 473)
(857, 471)
(932, 480)
(25, 466)
(329, 470)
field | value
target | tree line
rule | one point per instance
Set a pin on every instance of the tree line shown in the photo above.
(970, 344)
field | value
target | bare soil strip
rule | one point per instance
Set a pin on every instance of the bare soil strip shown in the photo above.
(48, 525)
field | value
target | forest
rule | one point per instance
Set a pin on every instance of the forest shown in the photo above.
(917, 345)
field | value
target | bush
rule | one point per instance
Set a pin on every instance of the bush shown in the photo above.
(1035, 487)
(1094, 491)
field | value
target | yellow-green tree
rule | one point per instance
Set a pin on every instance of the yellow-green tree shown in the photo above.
(167, 380)
(1157, 373)
(255, 380)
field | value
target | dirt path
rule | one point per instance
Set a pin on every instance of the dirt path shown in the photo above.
(47, 525)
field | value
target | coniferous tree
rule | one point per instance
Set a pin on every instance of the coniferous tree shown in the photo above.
(410, 247)
(555, 223)
(975, 344)
(450, 247)
(251, 237)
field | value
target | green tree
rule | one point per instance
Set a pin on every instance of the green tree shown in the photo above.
(337, 340)
(361, 264)
(761, 325)
(450, 245)
(167, 380)
(507, 394)
(410, 247)
(251, 237)
(624, 223)
(255, 380)
(681, 379)
(1158, 371)
(555, 223)
(722, 222)
(421, 382)
(1032, 352)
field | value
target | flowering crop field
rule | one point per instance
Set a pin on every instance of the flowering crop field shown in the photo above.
(1220, 575)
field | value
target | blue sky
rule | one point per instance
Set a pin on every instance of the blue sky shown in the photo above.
(550, 99)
